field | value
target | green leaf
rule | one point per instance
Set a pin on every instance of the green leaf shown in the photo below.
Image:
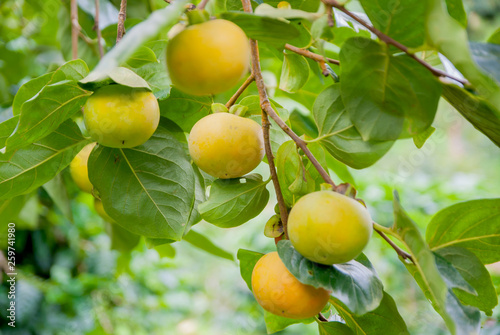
(296, 175)
(29, 90)
(233, 202)
(294, 73)
(142, 56)
(458, 318)
(304, 39)
(473, 271)
(474, 225)
(200, 195)
(166, 250)
(451, 276)
(381, 102)
(7, 128)
(334, 328)
(155, 242)
(385, 319)
(262, 28)
(40, 116)
(9, 211)
(339, 136)
(202, 242)
(342, 34)
(450, 38)
(340, 169)
(117, 75)
(495, 37)
(482, 115)
(248, 259)
(487, 57)
(57, 191)
(133, 40)
(457, 11)
(404, 21)
(154, 73)
(421, 138)
(150, 189)
(43, 107)
(353, 283)
(276, 323)
(121, 239)
(184, 109)
(28, 168)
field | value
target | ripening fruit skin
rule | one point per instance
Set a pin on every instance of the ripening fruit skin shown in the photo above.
(99, 208)
(329, 228)
(280, 293)
(121, 117)
(225, 145)
(79, 170)
(208, 58)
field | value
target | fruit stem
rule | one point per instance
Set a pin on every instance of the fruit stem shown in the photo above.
(389, 40)
(240, 91)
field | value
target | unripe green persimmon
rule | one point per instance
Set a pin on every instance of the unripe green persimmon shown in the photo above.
(208, 58)
(121, 117)
(225, 145)
(329, 228)
(280, 293)
(79, 169)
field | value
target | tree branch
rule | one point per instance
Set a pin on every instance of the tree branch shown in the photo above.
(269, 111)
(312, 55)
(97, 29)
(272, 168)
(202, 4)
(403, 254)
(264, 101)
(266, 107)
(240, 90)
(389, 40)
(75, 28)
(122, 15)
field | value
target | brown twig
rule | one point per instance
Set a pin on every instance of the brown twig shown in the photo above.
(272, 168)
(403, 254)
(329, 13)
(202, 4)
(240, 90)
(97, 29)
(389, 40)
(122, 15)
(309, 54)
(75, 28)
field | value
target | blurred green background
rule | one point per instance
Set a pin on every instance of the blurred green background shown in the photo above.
(71, 282)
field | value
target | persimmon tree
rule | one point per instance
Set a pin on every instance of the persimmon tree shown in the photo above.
(156, 180)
